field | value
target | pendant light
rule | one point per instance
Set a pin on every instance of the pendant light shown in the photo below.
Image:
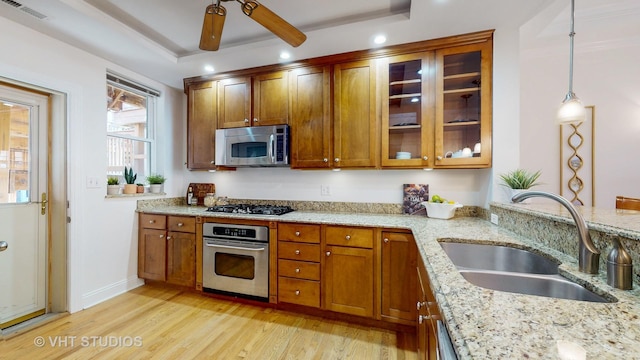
(571, 111)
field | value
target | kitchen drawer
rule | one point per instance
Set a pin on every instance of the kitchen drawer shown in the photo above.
(298, 251)
(301, 292)
(306, 233)
(152, 221)
(349, 236)
(182, 224)
(299, 269)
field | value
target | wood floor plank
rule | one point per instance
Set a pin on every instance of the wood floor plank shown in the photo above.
(158, 322)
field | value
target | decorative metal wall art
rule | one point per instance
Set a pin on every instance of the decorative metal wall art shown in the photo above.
(577, 164)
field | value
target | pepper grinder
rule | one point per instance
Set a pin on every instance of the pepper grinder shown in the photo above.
(619, 267)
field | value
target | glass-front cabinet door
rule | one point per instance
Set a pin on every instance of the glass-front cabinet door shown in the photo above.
(463, 106)
(406, 117)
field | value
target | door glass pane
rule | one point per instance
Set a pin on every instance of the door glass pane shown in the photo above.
(235, 265)
(405, 97)
(15, 122)
(461, 106)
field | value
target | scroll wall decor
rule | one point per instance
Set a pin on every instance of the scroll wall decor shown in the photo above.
(577, 164)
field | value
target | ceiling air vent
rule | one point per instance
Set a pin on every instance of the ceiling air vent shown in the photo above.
(25, 9)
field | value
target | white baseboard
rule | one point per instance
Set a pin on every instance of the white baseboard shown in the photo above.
(107, 292)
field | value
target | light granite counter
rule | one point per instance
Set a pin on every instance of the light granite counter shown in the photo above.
(487, 324)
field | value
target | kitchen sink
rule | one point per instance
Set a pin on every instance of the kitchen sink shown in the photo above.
(498, 258)
(514, 270)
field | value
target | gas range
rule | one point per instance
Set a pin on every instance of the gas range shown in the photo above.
(251, 209)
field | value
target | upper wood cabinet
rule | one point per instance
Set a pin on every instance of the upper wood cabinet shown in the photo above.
(407, 110)
(355, 122)
(253, 101)
(201, 126)
(463, 106)
(310, 109)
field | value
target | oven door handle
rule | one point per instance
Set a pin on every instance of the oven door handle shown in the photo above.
(234, 247)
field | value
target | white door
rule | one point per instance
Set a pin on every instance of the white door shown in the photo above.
(23, 181)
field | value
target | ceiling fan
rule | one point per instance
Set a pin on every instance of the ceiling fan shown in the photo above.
(214, 21)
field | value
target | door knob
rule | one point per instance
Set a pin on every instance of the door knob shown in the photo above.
(3, 245)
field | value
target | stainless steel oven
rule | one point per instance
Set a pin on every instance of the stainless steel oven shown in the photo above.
(236, 260)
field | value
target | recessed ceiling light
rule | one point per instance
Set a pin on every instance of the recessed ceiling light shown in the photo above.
(380, 39)
(208, 68)
(284, 55)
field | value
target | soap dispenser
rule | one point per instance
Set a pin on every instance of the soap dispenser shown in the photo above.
(619, 267)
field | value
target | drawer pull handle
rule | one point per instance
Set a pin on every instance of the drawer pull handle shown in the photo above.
(297, 233)
(297, 252)
(152, 221)
(180, 224)
(297, 292)
(297, 270)
(348, 237)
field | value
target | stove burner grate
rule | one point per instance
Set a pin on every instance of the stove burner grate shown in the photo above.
(251, 209)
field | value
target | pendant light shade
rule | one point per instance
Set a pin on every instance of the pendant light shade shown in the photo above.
(571, 111)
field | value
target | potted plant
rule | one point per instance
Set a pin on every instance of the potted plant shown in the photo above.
(113, 185)
(140, 188)
(130, 179)
(519, 180)
(155, 182)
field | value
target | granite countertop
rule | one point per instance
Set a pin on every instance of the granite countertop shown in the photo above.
(488, 324)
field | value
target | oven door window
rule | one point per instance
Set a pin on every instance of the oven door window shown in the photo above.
(249, 150)
(234, 265)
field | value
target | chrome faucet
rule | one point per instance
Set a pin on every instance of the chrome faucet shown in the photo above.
(588, 255)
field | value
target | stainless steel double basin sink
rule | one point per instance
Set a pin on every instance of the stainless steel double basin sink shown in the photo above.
(514, 270)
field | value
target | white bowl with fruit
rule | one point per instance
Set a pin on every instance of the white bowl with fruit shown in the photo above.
(439, 208)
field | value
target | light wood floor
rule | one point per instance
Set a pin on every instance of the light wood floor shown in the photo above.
(162, 323)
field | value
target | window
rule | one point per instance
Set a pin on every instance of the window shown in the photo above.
(130, 121)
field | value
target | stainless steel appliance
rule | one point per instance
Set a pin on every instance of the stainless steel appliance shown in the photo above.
(251, 209)
(253, 146)
(236, 260)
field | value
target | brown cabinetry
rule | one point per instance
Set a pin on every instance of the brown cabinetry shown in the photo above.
(463, 106)
(253, 101)
(428, 316)
(201, 126)
(167, 249)
(310, 109)
(355, 123)
(348, 276)
(299, 264)
(399, 257)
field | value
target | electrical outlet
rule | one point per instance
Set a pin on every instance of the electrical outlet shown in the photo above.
(494, 219)
(325, 190)
(92, 182)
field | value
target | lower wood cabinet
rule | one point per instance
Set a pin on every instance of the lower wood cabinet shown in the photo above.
(428, 316)
(399, 255)
(167, 249)
(348, 277)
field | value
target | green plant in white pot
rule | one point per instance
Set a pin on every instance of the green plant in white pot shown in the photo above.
(113, 185)
(520, 180)
(155, 182)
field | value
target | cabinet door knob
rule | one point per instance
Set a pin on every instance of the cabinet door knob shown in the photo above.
(161, 236)
(180, 224)
(385, 240)
(212, 162)
(348, 237)
(246, 121)
(255, 120)
(439, 157)
(297, 233)
(168, 238)
(297, 270)
(425, 158)
(152, 221)
(325, 160)
(297, 292)
(297, 252)
(421, 319)
(418, 305)
(336, 160)
(328, 253)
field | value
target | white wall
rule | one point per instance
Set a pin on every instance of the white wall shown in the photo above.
(606, 75)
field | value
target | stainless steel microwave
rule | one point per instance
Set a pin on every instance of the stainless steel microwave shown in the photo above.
(253, 146)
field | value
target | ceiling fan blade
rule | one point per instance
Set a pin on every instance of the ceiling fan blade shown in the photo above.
(212, 27)
(274, 23)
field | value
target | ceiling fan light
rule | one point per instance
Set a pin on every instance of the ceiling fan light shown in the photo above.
(571, 111)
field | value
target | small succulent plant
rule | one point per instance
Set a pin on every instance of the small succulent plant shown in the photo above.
(129, 176)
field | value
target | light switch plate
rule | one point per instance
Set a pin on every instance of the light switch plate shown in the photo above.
(92, 182)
